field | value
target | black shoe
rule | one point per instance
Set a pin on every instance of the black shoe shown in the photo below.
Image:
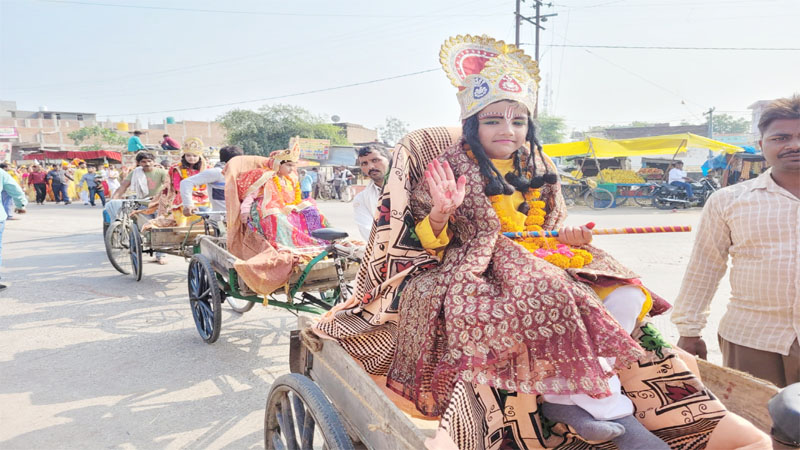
(2, 287)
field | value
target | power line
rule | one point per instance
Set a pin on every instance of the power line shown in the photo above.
(261, 13)
(665, 89)
(655, 47)
(328, 40)
(674, 4)
(277, 97)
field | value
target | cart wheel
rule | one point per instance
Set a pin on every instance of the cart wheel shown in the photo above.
(599, 198)
(239, 305)
(296, 404)
(135, 247)
(117, 240)
(205, 298)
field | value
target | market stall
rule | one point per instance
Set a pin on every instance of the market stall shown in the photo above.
(90, 156)
(626, 183)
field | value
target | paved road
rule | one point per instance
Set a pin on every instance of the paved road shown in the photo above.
(90, 358)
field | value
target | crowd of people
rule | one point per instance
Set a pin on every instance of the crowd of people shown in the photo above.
(67, 182)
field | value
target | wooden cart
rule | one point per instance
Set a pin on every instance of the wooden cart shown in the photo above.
(125, 243)
(328, 400)
(313, 287)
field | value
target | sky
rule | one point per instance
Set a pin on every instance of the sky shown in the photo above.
(197, 59)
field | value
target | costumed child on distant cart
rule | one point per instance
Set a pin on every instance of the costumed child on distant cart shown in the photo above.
(272, 204)
(506, 341)
(192, 162)
(269, 224)
(168, 204)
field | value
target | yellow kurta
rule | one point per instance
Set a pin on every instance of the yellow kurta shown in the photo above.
(79, 173)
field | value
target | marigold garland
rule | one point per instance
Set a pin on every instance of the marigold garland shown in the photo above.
(296, 186)
(547, 248)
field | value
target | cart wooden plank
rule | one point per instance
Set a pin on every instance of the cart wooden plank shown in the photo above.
(740, 392)
(361, 403)
(174, 236)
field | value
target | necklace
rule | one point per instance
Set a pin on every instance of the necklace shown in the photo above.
(279, 187)
(547, 248)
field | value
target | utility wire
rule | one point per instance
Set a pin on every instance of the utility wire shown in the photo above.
(656, 47)
(271, 52)
(674, 4)
(260, 13)
(277, 97)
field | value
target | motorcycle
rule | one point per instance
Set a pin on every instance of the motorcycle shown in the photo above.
(668, 196)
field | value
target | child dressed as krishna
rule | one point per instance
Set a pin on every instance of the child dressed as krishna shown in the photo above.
(507, 340)
(272, 204)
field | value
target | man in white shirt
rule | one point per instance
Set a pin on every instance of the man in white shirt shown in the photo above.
(374, 162)
(756, 224)
(677, 177)
(213, 178)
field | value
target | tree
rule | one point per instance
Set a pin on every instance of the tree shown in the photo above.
(96, 137)
(725, 123)
(551, 129)
(270, 128)
(392, 131)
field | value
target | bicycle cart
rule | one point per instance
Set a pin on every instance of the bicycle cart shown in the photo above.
(314, 287)
(125, 243)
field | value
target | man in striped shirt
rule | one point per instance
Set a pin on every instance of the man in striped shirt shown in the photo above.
(757, 223)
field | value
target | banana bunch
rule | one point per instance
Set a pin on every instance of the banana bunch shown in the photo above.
(620, 176)
(577, 173)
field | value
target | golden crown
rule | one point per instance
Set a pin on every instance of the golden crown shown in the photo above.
(193, 146)
(486, 70)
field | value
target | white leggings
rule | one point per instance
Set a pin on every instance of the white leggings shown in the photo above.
(624, 304)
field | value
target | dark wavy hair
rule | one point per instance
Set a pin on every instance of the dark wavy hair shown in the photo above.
(523, 177)
(196, 166)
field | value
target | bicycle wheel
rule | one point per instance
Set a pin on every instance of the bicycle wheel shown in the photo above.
(135, 248)
(239, 305)
(598, 198)
(117, 241)
(570, 193)
(644, 195)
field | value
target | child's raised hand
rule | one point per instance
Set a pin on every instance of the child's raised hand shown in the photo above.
(447, 193)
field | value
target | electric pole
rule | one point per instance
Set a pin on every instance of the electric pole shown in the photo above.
(518, 21)
(710, 114)
(535, 21)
